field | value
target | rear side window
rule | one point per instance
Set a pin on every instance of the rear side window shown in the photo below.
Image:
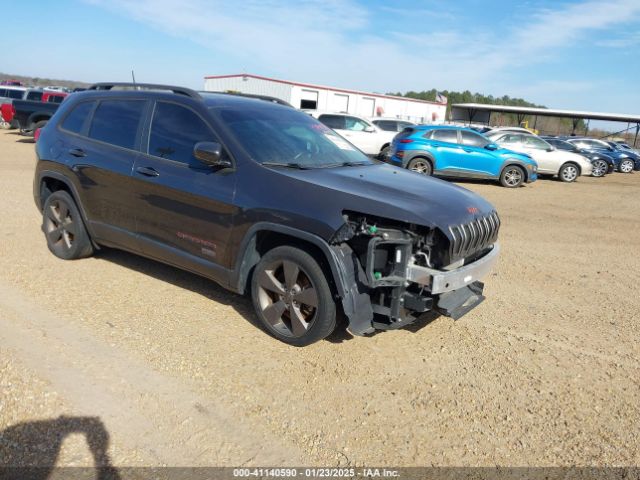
(449, 136)
(333, 121)
(74, 121)
(116, 122)
(15, 93)
(174, 132)
(55, 99)
(386, 125)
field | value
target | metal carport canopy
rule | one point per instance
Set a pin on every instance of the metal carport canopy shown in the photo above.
(467, 112)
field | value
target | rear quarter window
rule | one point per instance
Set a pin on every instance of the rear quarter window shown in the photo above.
(117, 122)
(75, 119)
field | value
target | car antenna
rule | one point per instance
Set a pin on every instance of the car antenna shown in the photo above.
(133, 77)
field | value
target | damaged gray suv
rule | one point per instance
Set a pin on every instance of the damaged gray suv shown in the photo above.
(262, 199)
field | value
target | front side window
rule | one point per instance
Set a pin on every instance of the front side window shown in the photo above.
(117, 121)
(473, 139)
(174, 132)
(74, 121)
(448, 135)
(535, 142)
(355, 124)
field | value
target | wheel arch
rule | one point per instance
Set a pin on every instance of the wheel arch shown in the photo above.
(265, 236)
(424, 156)
(515, 163)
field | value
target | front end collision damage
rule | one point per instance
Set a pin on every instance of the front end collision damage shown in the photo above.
(392, 272)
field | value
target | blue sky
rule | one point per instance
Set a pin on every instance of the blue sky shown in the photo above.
(565, 54)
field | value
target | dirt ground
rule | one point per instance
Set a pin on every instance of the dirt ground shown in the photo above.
(124, 361)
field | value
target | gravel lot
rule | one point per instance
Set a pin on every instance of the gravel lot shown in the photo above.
(172, 370)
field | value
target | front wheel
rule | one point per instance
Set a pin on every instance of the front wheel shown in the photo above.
(512, 176)
(568, 172)
(420, 165)
(626, 166)
(292, 297)
(600, 168)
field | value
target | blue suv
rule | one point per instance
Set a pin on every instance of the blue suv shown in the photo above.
(450, 151)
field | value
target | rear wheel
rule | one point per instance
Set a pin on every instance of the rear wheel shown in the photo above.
(568, 173)
(420, 165)
(63, 227)
(626, 166)
(292, 297)
(600, 168)
(512, 176)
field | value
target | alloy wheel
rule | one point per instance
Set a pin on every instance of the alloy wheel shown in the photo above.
(421, 166)
(569, 173)
(626, 166)
(287, 297)
(59, 226)
(600, 168)
(513, 177)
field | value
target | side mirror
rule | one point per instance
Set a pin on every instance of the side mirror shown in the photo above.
(210, 153)
(491, 146)
(370, 129)
(551, 149)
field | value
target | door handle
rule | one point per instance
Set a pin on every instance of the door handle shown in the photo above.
(77, 152)
(467, 150)
(147, 171)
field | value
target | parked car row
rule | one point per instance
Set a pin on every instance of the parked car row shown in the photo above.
(28, 108)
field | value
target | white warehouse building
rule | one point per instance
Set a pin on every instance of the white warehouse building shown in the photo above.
(317, 97)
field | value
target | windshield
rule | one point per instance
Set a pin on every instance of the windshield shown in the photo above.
(287, 137)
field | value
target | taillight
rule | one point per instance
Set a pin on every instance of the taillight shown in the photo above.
(36, 134)
(406, 140)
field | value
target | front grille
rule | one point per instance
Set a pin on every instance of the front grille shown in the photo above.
(473, 237)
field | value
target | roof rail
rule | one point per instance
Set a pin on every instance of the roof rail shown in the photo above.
(266, 98)
(146, 86)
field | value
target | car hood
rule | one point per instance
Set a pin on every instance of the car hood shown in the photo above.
(388, 192)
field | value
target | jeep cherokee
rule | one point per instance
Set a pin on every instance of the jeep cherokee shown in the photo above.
(265, 200)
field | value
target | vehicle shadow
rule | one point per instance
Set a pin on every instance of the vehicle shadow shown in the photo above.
(26, 140)
(182, 279)
(29, 450)
(214, 292)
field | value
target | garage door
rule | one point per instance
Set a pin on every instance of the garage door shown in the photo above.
(309, 99)
(366, 106)
(340, 102)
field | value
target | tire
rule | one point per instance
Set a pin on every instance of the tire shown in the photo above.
(569, 172)
(385, 154)
(292, 297)
(512, 176)
(63, 227)
(420, 165)
(626, 166)
(600, 168)
(39, 124)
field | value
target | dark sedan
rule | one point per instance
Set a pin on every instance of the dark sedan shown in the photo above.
(602, 163)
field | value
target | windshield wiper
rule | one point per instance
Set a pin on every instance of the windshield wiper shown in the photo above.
(347, 164)
(286, 165)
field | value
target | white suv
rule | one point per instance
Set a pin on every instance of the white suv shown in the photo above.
(361, 132)
(567, 166)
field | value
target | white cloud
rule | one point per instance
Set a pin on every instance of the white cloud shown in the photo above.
(331, 41)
